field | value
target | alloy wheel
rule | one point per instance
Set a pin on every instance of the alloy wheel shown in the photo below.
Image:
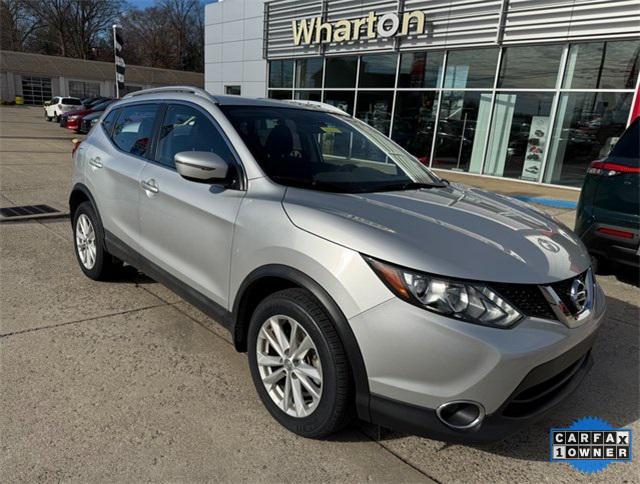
(86, 241)
(289, 366)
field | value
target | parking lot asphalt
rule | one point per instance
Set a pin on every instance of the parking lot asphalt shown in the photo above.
(123, 381)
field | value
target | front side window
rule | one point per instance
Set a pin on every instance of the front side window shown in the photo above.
(133, 130)
(322, 151)
(187, 129)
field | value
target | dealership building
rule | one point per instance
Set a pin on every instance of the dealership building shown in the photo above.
(525, 89)
(37, 77)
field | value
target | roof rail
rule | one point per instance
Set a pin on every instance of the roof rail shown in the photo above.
(318, 105)
(184, 89)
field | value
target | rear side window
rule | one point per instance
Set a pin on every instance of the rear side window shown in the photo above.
(107, 122)
(187, 129)
(133, 129)
(71, 101)
(627, 149)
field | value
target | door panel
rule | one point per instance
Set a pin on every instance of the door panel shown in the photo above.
(187, 229)
(186, 226)
(113, 168)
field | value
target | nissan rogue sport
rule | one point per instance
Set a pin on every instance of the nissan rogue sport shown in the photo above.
(359, 283)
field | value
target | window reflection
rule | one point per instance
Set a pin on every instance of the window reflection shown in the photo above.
(421, 69)
(471, 68)
(530, 67)
(414, 122)
(281, 73)
(309, 95)
(340, 99)
(603, 65)
(519, 135)
(374, 108)
(378, 70)
(462, 129)
(280, 94)
(341, 72)
(309, 72)
(588, 125)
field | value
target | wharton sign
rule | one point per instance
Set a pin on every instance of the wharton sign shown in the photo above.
(314, 31)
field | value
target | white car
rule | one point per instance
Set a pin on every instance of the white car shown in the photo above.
(60, 105)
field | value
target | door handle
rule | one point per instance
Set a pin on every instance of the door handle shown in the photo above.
(150, 186)
(96, 162)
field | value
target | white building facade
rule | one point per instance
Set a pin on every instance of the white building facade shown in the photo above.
(532, 90)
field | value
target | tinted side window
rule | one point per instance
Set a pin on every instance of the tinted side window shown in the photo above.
(186, 129)
(107, 122)
(627, 149)
(134, 128)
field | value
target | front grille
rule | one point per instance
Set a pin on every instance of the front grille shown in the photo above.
(563, 290)
(535, 398)
(527, 298)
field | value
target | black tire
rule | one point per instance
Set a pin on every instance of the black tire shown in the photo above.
(106, 266)
(334, 410)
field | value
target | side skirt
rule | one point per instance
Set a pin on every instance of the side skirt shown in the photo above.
(122, 251)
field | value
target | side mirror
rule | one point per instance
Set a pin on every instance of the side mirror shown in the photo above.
(201, 166)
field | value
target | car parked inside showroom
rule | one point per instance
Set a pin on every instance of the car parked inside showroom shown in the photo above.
(60, 105)
(608, 215)
(358, 281)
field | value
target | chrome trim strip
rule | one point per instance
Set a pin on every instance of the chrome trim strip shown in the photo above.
(563, 313)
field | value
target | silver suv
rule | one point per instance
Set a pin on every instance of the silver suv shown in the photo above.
(358, 282)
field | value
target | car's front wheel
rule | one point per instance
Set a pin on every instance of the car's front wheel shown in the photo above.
(94, 260)
(298, 364)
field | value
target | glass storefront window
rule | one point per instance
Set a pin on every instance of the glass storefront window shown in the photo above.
(309, 72)
(414, 121)
(281, 73)
(588, 124)
(421, 69)
(530, 67)
(309, 95)
(340, 99)
(374, 108)
(519, 134)
(462, 127)
(341, 72)
(280, 94)
(471, 68)
(603, 65)
(378, 70)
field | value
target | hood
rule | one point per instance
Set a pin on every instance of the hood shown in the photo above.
(454, 231)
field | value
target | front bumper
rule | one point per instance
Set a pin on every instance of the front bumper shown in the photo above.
(417, 361)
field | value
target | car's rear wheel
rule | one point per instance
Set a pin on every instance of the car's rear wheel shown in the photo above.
(94, 260)
(298, 364)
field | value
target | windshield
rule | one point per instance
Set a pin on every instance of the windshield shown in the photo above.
(323, 151)
(71, 101)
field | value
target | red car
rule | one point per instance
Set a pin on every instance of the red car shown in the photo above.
(73, 119)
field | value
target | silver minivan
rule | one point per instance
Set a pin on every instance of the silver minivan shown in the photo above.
(359, 283)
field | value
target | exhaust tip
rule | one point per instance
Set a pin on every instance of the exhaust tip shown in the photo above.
(461, 414)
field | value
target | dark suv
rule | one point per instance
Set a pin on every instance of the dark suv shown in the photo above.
(608, 219)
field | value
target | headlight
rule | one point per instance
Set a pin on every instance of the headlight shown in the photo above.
(469, 301)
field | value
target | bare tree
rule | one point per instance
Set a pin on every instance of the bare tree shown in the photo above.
(17, 25)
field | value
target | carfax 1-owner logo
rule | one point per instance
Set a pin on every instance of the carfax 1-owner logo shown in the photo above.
(590, 445)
